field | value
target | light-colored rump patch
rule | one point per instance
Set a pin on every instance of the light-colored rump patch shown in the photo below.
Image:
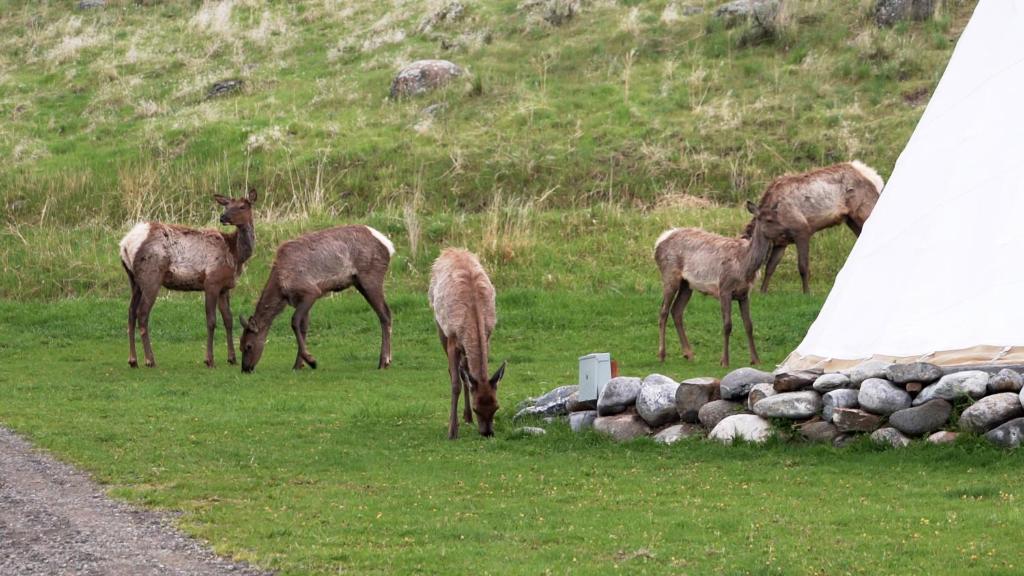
(383, 240)
(869, 173)
(664, 236)
(132, 241)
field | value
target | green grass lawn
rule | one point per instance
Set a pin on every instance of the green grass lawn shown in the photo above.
(347, 469)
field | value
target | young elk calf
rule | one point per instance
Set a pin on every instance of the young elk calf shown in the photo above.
(462, 298)
(796, 206)
(180, 258)
(311, 266)
(691, 259)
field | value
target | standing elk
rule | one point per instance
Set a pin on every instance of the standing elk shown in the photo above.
(179, 258)
(794, 207)
(462, 298)
(692, 259)
(311, 266)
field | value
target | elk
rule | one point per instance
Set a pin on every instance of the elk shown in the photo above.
(796, 206)
(154, 254)
(310, 266)
(462, 298)
(692, 259)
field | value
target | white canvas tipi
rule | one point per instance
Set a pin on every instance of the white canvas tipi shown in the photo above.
(938, 272)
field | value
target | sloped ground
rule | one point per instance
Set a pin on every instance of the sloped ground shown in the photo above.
(56, 520)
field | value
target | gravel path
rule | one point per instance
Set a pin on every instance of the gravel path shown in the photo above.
(54, 520)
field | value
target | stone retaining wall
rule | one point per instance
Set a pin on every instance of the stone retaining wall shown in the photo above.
(893, 403)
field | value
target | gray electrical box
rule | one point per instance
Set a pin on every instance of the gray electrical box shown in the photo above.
(595, 372)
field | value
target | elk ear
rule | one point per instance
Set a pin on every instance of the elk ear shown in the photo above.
(252, 195)
(246, 323)
(751, 207)
(498, 375)
(467, 377)
(222, 200)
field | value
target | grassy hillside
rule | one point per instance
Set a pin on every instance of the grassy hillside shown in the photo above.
(107, 120)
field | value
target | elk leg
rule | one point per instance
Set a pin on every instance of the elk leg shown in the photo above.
(677, 317)
(803, 252)
(773, 262)
(453, 371)
(669, 291)
(224, 303)
(373, 292)
(211, 324)
(726, 301)
(302, 308)
(467, 410)
(133, 318)
(854, 225)
(748, 325)
(147, 299)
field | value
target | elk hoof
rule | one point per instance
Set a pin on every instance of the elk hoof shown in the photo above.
(232, 360)
(133, 363)
(150, 363)
(754, 361)
(312, 362)
(210, 364)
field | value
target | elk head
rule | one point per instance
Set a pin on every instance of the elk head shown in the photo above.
(485, 399)
(237, 211)
(252, 342)
(766, 221)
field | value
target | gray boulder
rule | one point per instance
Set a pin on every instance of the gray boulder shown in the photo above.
(446, 14)
(622, 427)
(673, 434)
(737, 384)
(791, 405)
(717, 410)
(225, 87)
(923, 419)
(865, 370)
(530, 431)
(991, 411)
(943, 437)
(742, 426)
(555, 395)
(890, 436)
(1005, 381)
(739, 11)
(87, 4)
(692, 394)
(855, 420)
(759, 392)
(829, 382)
(973, 383)
(794, 381)
(882, 397)
(580, 421)
(841, 398)
(656, 401)
(422, 76)
(1008, 435)
(890, 12)
(819, 431)
(556, 405)
(922, 372)
(618, 394)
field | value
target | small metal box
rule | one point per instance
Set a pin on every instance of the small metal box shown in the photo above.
(595, 372)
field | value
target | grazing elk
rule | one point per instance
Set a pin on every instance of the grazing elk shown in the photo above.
(311, 266)
(462, 298)
(179, 258)
(796, 206)
(692, 259)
